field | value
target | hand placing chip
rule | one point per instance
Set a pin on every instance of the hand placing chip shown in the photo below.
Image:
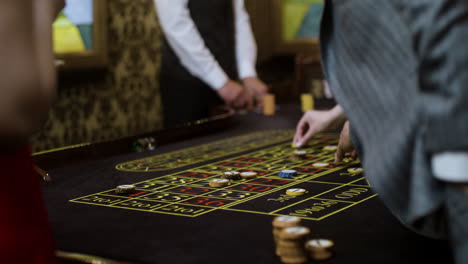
(345, 145)
(313, 122)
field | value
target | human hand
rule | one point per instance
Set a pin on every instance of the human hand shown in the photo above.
(313, 122)
(257, 88)
(345, 145)
(234, 95)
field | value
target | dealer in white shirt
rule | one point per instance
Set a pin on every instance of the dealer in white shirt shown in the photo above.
(185, 39)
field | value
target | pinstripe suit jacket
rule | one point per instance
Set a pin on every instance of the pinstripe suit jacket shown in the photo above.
(399, 68)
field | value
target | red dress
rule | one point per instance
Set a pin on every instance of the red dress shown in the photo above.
(25, 235)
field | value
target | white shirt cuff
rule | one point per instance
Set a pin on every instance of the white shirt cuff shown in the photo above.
(216, 78)
(450, 166)
(246, 69)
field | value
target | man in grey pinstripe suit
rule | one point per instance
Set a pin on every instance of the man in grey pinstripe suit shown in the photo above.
(399, 71)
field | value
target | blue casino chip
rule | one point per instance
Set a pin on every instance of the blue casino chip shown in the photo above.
(287, 173)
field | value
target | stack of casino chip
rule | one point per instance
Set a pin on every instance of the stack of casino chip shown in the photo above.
(298, 155)
(307, 102)
(320, 249)
(287, 173)
(216, 183)
(296, 191)
(126, 188)
(269, 106)
(247, 175)
(320, 164)
(282, 222)
(290, 245)
(330, 148)
(231, 175)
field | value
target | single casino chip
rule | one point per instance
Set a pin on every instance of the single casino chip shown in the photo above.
(248, 175)
(300, 152)
(319, 243)
(127, 188)
(219, 183)
(286, 221)
(287, 173)
(231, 175)
(295, 232)
(320, 249)
(355, 170)
(320, 164)
(296, 191)
(330, 148)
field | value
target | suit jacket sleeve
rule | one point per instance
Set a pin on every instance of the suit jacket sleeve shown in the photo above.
(440, 31)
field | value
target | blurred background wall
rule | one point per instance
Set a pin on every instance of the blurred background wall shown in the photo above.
(123, 98)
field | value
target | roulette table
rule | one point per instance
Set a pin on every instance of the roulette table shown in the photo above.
(175, 216)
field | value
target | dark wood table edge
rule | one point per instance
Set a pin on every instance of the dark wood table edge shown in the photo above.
(65, 257)
(65, 156)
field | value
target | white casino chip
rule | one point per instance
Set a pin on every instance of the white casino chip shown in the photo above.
(330, 148)
(324, 243)
(288, 219)
(296, 191)
(320, 164)
(220, 180)
(300, 152)
(126, 186)
(355, 170)
(299, 230)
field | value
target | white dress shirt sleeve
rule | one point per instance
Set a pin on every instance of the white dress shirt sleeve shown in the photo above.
(246, 47)
(450, 166)
(186, 41)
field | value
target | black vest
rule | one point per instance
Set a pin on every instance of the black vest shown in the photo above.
(184, 96)
(214, 20)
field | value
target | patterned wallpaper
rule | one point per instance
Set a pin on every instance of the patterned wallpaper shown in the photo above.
(123, 100)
